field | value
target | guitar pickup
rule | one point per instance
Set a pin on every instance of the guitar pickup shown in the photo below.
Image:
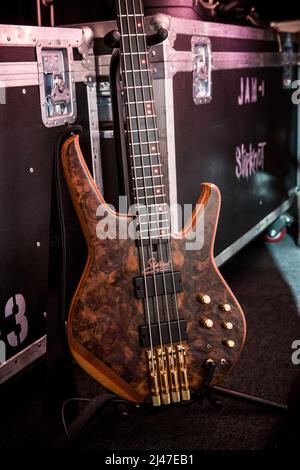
(178, 333)
(158, 284)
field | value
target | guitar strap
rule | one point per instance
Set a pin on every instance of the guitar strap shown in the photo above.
(60, 382)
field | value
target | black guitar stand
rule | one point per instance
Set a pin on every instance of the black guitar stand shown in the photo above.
(125, 408)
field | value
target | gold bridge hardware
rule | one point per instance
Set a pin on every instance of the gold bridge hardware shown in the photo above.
(168, 374)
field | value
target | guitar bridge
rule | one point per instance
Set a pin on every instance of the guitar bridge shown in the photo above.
(168, 375)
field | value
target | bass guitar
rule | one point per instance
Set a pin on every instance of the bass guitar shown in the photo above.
(151, 312)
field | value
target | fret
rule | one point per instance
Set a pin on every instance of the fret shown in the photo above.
(143, 130)
(143, 116)
(134, 34)
(137, 79)
(138, 102)
(136, 155)
(133, 53)
(133, 43)
(154, 197)
(139, 93)
(152, 215)
(144, 166)
(158, 187)
(165, 236)
(142, 137)
(138, 71)
(145, 162)
(161, 205)
(151, 222)
(147, 192)
(147, 182)
(148, 143)
(131, 87)
(135, 62)
(127, 8)
(147, 177)
(162, 223)
(142, 171)
(141, 122)
(163, 229)
(140, 158)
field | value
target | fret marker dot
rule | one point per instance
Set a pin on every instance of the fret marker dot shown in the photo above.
(143, 61)
(153, 148)
(158, 191)
(139, 25)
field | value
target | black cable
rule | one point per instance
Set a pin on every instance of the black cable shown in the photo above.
(83, 420)
(63, 418)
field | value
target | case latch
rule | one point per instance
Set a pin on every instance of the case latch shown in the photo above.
(57, 89)
(202, 68)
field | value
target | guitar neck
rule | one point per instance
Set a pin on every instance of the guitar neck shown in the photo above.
(141, 123)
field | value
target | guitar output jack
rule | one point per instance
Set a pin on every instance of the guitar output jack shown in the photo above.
(224, 363)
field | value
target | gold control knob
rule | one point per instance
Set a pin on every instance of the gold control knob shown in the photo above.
(227, 325)
(225, 307)
(206, 322)
(229, 343)
(204, 299)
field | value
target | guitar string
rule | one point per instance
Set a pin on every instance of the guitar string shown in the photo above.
(168, 243)
(156, 303)
(158, 152)
(134, 168)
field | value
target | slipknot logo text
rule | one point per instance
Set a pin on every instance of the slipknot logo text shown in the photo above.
(249, 160)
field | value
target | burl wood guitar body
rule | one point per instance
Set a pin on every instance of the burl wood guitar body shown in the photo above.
(104, 315)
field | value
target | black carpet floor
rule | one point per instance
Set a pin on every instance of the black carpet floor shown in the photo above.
(265, 279)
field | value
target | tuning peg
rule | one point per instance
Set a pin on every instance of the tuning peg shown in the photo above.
(112, 39)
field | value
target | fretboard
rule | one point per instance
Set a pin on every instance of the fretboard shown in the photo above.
(142, 132)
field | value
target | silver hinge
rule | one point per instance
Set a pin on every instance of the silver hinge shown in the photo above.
(104, 102)
(202, 68)
(288, 59)
(57, 88)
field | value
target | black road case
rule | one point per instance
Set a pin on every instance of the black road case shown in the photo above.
(47, 80)
(225, 112)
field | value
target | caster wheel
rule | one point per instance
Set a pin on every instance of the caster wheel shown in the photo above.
(275, 237)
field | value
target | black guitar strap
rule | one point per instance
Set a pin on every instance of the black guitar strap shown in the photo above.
(60, 382)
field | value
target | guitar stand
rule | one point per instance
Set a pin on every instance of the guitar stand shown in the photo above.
(212, 391)
(125, 408)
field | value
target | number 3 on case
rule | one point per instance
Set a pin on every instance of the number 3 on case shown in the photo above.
(16, 306)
